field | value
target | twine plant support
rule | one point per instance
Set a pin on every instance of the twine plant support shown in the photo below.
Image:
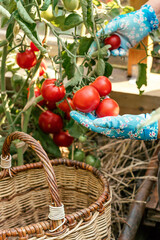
(35, 191)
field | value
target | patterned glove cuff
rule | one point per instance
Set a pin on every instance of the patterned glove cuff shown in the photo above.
(151, 131)
(149, 13)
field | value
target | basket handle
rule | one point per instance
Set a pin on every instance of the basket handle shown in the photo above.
(36, 146)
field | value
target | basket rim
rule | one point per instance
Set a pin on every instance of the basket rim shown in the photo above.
(71, 219)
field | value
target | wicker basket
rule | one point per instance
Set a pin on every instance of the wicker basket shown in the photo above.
(25, 197)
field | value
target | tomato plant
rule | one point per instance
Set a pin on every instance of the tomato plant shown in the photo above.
(63, 139)
(26, 59)
(102, 85)
(32, 29)
(64, 106)
(108, 107)
(114, 40)
(86, 99)
(50, 122)
(51, 92)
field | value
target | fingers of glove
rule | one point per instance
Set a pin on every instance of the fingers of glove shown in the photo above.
(109, 122)
(86, 121)
(91, 116)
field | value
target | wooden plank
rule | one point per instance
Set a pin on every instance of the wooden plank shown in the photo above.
(137, 3)
(135, 104)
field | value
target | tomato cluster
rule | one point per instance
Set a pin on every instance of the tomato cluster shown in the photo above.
(52, 122)
(88, 98)
(27, 59)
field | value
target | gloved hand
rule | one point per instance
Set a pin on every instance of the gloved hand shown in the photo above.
(124, 127)
(130, 27)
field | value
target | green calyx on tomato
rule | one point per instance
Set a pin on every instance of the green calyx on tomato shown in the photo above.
(51, 92)
(71, 5)
(78, 155)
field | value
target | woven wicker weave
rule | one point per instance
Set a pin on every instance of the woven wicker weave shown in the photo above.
(24, 198)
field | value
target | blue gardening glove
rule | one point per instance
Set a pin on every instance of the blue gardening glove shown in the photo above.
(130, 27)
(125, 126)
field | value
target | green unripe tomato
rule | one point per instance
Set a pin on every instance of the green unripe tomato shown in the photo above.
(71, 5)
(48, 14)
(82, 138)
(79, 155)
(91, 160)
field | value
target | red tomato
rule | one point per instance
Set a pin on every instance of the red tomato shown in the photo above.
(64, 105)
(114, 40)
(33, 47)
(103, 85)
(50, 105)
(63, 139)
(86, 99)
(42, 68)
(51, 92)
(26, 59)
(37, 93)
(50, 122)
(108, 107)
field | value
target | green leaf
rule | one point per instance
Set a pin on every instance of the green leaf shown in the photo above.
(114, 12)
(47, 143)
(45, 5)
(67, 63)
(84, 45)
(54, 4)
(23, 13)
(102, 52)
(9, 31)
(142, 75)
(4, 12)
(77, 130)
(87, 12)
(77, 78)
(100, 67)
(73, 20)
(108, 69)
(59, 23)
(29, 30)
